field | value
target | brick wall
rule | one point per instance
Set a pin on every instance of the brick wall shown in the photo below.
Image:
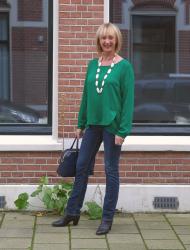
(29, 10)
(79, 20)
(141, 167)
(78, 23)
(184, 52)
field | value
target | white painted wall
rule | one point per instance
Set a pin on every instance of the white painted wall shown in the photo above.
(132, 198)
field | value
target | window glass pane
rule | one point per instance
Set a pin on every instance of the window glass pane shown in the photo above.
(3, 27)
(25, 93)
(155, 40)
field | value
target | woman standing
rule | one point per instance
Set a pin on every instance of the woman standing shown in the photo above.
(105, 116)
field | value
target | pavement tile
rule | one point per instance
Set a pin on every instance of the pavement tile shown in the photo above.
(179, 221)
(153, 225)
(51, 247)
(164, 244)
(14, 248)
(177, 215)
(85, 233)
(124, 229)
(125, 238)
(158, 234)
(123, 220)
(51, 238)
(182, 229)
(49, 229)
(125, 246)
(46, 219)
(17, 224)
(185, 239)
(88, 244)
(149, 217)
(19, 216)
(16, 243)
(88, 224)
(16, 233)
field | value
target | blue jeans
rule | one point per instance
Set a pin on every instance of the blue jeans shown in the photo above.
(92, 139)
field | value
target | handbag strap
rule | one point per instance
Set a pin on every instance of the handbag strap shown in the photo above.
(77, 145)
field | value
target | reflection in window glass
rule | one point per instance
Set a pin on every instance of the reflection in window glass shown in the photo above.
(25, 79)
(157, 45)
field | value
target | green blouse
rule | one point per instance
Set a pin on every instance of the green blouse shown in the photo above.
(113, 108)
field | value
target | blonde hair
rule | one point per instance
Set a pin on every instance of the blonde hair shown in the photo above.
(110, 29)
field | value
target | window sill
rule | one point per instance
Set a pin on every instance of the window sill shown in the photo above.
(131, 143)
(150, 143)
(29, 143)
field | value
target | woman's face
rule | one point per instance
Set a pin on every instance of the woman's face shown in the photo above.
(108, 43)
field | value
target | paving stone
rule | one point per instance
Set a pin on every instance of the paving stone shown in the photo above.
(149, 217)
(158, 234)
(51, 238)
(15, 248)
(125, 238)
(51, 247)
(88, 224)
(19, 216)
(17, 224)
(124, 229)
(177, 215)
(88, 244)
(124, 220)
(16, 233)
(49, 229)
(187, 247)
(179, 221)
(16, 243)
(164, 244)
(153, 225)
(47, 220)
(185, 239)
(182, 229)
(84, 233)
(125, 246)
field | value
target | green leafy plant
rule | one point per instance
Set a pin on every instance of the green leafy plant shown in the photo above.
(94, 211)
(54, 198)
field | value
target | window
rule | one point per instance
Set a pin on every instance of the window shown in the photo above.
(26, 67)
(161, 61)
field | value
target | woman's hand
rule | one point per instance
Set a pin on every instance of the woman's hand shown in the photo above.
(79, 133)
(119, 140)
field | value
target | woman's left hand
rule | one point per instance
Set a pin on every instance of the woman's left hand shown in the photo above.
(119, 140)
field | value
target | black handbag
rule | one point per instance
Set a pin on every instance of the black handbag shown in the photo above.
(68, 161)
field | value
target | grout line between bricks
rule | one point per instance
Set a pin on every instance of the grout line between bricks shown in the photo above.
(138, 228)
(174, 232)
(1, 222)
(34, 232)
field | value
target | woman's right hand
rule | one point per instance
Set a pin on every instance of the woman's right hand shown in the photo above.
(79, 133)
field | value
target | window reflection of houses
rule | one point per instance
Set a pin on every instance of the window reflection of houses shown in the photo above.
(156, 39)
(24, 65)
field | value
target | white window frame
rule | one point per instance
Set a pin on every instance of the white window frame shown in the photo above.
(41, 142)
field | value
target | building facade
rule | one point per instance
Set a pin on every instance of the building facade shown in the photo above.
(45, 46)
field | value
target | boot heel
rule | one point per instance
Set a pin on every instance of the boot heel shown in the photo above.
(76, 221)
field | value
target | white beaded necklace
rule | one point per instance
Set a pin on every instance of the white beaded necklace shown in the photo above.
(99, 90)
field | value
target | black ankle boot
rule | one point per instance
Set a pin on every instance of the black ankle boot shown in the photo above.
(63, 222)
(104, 227)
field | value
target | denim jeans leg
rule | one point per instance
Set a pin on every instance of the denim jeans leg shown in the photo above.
(91, 141)
(111, 161)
